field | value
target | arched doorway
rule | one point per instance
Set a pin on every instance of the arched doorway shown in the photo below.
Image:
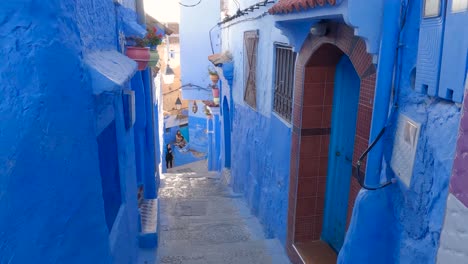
(335, 79)
(227, 134)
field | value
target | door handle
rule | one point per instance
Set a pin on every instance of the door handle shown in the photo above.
(338, 154)
(348, 159)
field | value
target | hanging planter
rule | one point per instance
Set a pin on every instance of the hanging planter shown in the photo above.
(214, 77)
(215, 91)
(154, 58)
(139, 54)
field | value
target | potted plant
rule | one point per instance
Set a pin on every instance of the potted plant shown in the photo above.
(215, 91)
(153, 41)
(141, 52)
(214, 77)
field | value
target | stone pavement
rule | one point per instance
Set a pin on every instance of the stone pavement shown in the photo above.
(203, 222)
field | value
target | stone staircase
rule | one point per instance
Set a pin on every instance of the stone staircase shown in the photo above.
(202, 222)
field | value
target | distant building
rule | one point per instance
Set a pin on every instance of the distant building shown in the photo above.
(310, 87)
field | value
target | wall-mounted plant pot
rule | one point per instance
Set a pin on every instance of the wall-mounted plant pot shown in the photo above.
(154, 58)
(139, 54)
(215, 92)
(214, 78)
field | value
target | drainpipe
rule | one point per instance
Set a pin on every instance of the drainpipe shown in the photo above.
(383, 89)
(140, 10)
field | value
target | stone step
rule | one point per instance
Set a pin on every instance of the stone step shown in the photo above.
(148, 237)
(268, 251)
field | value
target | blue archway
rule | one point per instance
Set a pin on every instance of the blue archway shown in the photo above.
(227, 133)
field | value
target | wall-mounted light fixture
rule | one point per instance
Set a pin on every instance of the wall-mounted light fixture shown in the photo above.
(194, 107)
(178, 103)
(432, 8)
(168, 75)
(319, 29)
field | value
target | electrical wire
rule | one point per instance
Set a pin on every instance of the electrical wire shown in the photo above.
(211, 39)
(190, 87)
(392, 112)
(247, 10)
(237, 4)
(194, 5)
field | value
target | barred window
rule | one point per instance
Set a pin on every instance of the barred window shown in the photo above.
(250, 67)
(284, 81)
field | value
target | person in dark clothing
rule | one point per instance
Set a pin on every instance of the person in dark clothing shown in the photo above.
(169, 156)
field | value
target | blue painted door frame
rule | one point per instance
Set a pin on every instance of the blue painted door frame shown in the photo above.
(227, 134)
(344, 116)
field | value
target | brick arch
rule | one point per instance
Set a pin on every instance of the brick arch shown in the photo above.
(341, 36)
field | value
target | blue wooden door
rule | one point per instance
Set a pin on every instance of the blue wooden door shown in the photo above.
(227, 134)
(344, 115)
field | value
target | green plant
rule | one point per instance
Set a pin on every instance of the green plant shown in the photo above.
(151, 39)
(212, 71)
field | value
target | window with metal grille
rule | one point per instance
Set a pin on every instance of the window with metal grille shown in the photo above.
(250, 67)
(284, 81)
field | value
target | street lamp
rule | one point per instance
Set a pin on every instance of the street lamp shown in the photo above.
(194, 107)
(168, 75)
(178, 103)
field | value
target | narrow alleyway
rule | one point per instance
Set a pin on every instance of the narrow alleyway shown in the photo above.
(202, 221)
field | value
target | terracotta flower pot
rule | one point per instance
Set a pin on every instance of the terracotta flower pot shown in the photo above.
(140, 55)
(154, 58)
(214, 78)
(215, 92)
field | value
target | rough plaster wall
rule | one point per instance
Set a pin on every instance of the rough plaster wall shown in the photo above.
(454, 238)
(96, 22)
(51, 208)
(125, 230)
(419, 209)
(260, 167)
(261, 142)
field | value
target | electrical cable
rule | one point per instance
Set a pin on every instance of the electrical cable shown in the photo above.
(237, 4)
(193, 5)
(211, 39)
(245, 11)
(393, 110)
(191, 87)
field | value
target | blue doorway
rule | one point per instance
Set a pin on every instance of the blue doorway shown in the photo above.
(343, 129)
(227, 134)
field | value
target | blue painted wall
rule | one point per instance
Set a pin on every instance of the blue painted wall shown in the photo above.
(52, 205)
(408, 220)
(51, 202)
(261, 142)
(180, 157)
(195, 46)
(260, 167)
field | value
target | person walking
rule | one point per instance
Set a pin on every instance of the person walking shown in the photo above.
(169, 156)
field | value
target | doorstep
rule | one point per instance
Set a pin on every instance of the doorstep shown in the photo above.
(316, 252)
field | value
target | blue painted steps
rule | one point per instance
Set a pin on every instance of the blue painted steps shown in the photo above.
(149, 212)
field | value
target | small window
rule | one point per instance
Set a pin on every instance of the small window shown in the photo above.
(459, 6)
(432, 8)
(250, 67)
(284, 81)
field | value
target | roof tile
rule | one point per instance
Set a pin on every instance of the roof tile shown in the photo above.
(288, 6)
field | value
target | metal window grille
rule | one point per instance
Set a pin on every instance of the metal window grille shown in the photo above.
(250, 67)
(284, 81)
